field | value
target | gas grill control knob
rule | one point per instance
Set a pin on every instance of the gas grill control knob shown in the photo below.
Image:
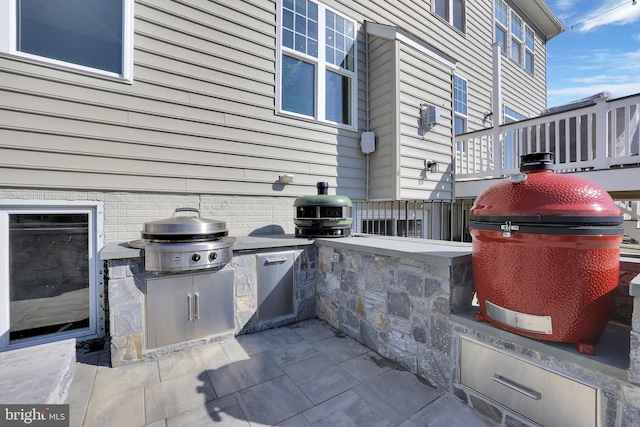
(213, 256)
(195, 257)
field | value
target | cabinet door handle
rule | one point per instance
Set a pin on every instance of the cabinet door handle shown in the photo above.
(196, 305)
(275, 260)
(529, 392)
(189, 308)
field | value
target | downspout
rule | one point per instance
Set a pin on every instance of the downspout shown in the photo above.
(366, 99)
(496, 109)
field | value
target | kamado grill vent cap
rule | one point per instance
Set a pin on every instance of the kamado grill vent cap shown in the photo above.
(536, 161)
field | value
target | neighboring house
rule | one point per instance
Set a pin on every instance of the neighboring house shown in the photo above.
(113, 113)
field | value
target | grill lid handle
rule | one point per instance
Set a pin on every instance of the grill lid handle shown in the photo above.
(196, 210)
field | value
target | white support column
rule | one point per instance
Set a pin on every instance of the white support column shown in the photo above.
(497, 110)
(602, 160)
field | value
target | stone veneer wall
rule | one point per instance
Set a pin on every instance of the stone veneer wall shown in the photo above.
(125, 289)
(398, 307)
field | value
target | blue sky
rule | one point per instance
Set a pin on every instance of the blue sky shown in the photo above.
(600, 53)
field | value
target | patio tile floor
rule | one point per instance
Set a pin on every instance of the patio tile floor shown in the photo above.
(306, 374)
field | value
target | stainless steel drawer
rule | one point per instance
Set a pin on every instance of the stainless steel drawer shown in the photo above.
(542, 396)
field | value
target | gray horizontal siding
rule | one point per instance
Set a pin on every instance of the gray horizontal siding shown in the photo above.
(199, 115)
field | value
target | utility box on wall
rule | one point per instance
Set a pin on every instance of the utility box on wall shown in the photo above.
(429, 116)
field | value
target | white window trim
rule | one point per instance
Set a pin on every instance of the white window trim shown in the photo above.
(321, 66)
(518, 38)
(8, 45)
(465, 117)
(531, 51)
(522, 41)
(450, 20)
(95, 211)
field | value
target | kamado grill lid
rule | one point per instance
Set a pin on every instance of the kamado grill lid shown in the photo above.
(184, 228)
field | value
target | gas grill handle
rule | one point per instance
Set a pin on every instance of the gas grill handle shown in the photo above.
(275, 260)
(196, 305)
(196, 210)
(189, 308)
(529, 392)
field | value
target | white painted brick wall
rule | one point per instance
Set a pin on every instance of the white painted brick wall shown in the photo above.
(125, 213)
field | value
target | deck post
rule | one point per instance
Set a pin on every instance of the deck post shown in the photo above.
(602, 160)
(496, 135)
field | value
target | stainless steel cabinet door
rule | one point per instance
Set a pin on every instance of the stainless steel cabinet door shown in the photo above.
(275, 285)
(169, 310)
(213, 304)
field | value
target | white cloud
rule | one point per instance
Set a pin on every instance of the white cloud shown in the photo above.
(612, 12)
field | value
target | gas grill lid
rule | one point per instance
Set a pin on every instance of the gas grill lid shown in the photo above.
(184, 228)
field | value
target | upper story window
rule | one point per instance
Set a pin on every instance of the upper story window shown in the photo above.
(317, 73)
(459, 108)
(529, 51)
(517, 39)
(88, 36)
(452, 11)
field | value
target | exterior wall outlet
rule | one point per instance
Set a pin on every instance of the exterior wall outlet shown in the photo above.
(368, 142)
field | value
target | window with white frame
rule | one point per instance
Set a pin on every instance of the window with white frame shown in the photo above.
(516, 38)
(87, 36)
(502, 24)
(317, 73)
(529, 49)
(452, 11)
(459, 108)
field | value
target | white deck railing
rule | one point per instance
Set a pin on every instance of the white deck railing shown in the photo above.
(597, 137)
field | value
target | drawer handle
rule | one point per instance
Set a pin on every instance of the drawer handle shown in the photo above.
(529, 392)
(196, 305)
(275, 261)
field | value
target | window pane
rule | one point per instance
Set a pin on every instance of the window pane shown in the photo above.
(528, 61)
(459, 125)
(301, 17)
(516, 50)
(51, 294)
(340, 36)
(458, 14)
(501, 13)
(442, 9)
(338, 98)
(516, 26)
(87, 33)
(459, 95)
(529, 38)
(501, 36)
(298, 83)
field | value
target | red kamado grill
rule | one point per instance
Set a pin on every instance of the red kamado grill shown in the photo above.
(546, 254)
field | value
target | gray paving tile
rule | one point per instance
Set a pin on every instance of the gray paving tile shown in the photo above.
(177, 395)
(223, 412)
(281, 337)
(179, 363)
(272, 402)
(212, 355)
(320, 378)
(297, 421)
(122, 410)
(292, 353)
(112, 381)
(242, 374)
(449, 412)
(397, 394)
(86, 371)
(346, 409)
(78, 401)
(313, 330)
(367, 366)
(243, 346)
(340, 349)
(160, 423)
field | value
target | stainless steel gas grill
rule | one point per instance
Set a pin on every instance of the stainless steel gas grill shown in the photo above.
(185, 243)
(188, 293)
